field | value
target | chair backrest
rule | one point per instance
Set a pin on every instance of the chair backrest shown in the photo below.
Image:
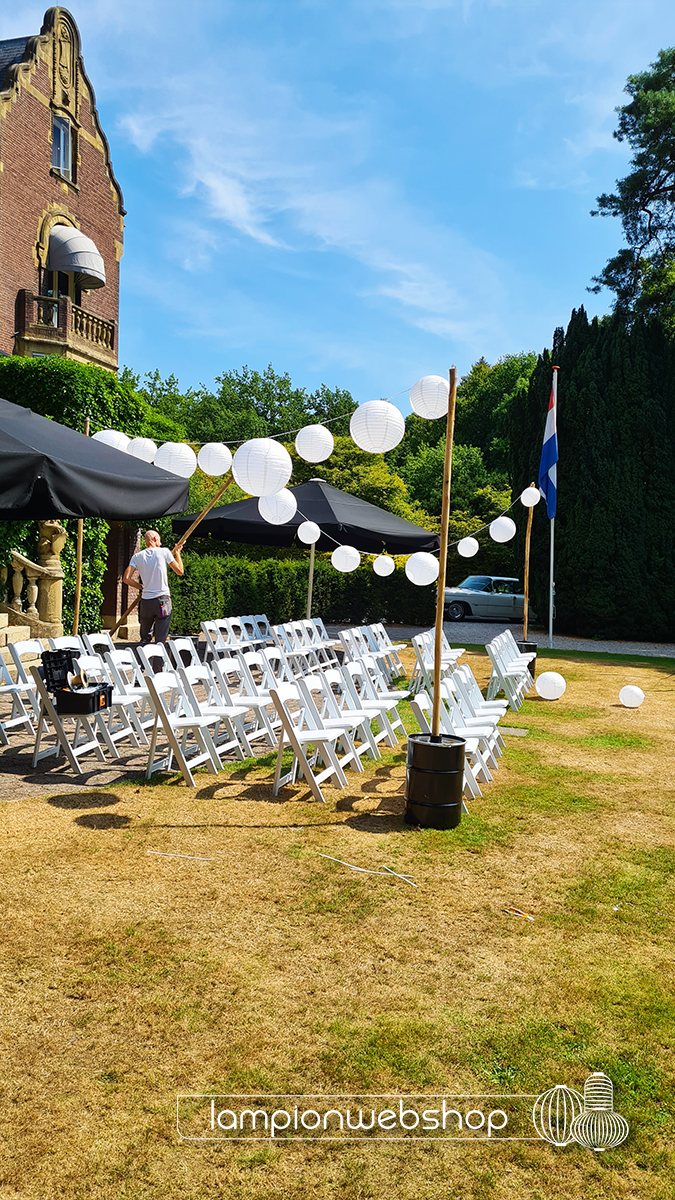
(184, 652)
(94, 668)
(249, 627)
(421, 706)
(263, 627)
(68, 642)
(278, 664)
(125, 670)
(99, 643)
(193, 676)
(154, 658)
(166, 694)
(27, 649)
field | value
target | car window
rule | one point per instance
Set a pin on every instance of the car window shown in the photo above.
(502, 587)
(477, 583)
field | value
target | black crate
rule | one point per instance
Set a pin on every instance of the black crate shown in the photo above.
(83, 702)
(58, 665)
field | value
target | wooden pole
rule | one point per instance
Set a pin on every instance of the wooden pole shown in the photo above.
(78, 558)
(310, 585)
(526, 583)
(179, 546)
(440, 590)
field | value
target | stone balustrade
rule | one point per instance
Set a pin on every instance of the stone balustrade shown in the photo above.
(34, 596)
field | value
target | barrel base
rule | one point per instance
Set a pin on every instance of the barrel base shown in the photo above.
(433, 816)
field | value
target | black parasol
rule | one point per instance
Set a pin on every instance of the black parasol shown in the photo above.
(48, 470)
(342, 518)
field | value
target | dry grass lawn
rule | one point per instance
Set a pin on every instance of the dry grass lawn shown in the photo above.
(128, 977)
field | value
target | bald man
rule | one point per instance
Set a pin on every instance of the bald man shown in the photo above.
(155, 605)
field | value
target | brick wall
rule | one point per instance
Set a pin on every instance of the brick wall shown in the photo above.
(28, 190)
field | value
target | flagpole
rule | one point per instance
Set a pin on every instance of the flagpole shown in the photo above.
(551, 584)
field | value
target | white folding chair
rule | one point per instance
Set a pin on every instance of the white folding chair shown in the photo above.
(128, 679)
(382, 708)
(187, 733)
(471, 697)
(263, 629)
(99, 643)
(68, 642)
(512, 680)
(299, 729)
(20, 650)
(236, 683)
(18, 694)
(489, 740)
(120, 720)
(84, 737)
(154, 658)
(348, 703)
(184, 652)
(353, 722)
(233, 738)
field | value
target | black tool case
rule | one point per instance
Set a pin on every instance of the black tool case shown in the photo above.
(78, 701)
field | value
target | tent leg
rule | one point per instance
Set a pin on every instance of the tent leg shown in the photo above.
(310, 584)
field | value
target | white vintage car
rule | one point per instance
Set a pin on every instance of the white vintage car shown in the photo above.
(486, 596)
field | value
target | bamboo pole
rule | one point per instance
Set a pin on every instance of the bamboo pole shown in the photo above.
(310, 584)
(78, 558)
(178, 547)
(526, 582)
(440, 590)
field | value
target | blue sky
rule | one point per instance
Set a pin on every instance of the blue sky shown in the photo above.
(359, 191)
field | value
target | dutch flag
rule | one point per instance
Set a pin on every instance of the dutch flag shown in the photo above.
(548, 470)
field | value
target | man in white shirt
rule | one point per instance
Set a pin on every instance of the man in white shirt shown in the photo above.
(155, 605)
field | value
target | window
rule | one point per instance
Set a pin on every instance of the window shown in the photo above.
(61, 283)
(477, 583)
(62, 147)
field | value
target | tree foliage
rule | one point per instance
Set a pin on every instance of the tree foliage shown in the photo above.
(642, 274)
(615, 566)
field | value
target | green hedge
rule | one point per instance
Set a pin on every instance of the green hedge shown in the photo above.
(223, 586)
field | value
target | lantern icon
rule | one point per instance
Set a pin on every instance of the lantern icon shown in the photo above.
(554, 1113)
(598, 1127)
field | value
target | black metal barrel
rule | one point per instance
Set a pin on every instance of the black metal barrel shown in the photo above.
(434, 781)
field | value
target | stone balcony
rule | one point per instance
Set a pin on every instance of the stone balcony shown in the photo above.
(49, 325)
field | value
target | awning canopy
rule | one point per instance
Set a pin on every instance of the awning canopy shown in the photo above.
(48, 470)
(341, 517)
(70, 250)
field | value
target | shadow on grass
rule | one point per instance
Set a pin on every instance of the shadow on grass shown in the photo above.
(103, 821)
(83, 799)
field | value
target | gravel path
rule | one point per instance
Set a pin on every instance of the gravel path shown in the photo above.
(478, 633)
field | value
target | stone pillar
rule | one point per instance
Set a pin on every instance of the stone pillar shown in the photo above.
(51, 540)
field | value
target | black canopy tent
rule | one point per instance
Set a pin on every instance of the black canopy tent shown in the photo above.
(342, 518)
(48, 470)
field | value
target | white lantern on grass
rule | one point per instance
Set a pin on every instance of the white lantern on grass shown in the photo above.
(502, 529)
(468, 547)
(143, 448)
(429, 397)
(314, 443)
(550, 685)
(422, 568)
(113, 438)
(345, 559)
(262, 467)
(383, 565)
(279, 508)
(177, 458)
(530, 496)
(309, 532)
(377, 426)
(631, 696)
(215, 458)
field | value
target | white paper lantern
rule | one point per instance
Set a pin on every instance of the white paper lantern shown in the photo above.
(177, 458)
(530, 496)
(502, 529)
(215, 458)
(631, 696)
(314, 443)
(383, 565)
(468, 547)
(262, 467)
(429, 397)
(309, 532)
(377, 426)
(279, 508)
(112, 437)
(345, 559)
(422, 568)
(143, 448)
(550, 685)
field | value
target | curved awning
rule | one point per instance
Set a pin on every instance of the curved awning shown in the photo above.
(70, 250)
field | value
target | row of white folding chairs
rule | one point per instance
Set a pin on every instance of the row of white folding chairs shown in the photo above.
(423, 645)
(227, 633)
(510, 670)
(374, 640)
